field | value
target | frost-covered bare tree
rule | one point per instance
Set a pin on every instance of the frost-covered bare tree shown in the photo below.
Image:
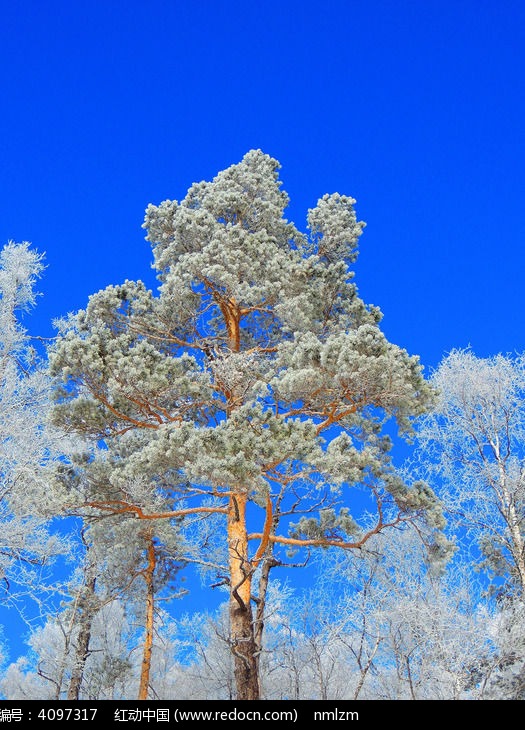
(254, 386)
(431, 629)
(111, 669)
(28, 447)
(473, 445)
(381, 624)
(502, 676)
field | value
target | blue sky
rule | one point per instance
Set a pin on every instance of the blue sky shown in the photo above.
(415, 108)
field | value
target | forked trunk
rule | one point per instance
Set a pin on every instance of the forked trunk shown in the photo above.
(246, 665)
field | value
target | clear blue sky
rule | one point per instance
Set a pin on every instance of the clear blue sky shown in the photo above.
(416, 108)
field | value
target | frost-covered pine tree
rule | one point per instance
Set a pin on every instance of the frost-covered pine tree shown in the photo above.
(139, 568)
(123, 559)
(252, 387)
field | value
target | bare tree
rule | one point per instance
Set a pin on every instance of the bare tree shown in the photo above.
(472, 447)
(29, 447)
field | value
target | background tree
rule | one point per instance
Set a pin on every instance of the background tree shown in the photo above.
(473, 445)
(256, 379)
(29, 448)
(383, 623)
(502, 676)
(139, 568)
(124, 558)
(109, 671)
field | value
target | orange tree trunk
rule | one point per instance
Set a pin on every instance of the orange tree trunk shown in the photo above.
(148, 641)
(244, 647)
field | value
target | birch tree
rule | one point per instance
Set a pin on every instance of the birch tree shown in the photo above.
(254, 385)
(48, 669)
(28, 447)
(502, 677)
(383, 623)
(473, 445)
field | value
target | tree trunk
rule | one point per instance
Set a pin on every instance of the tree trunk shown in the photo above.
(268, 563)
(244, 647)
(150, 605)
(85, 612)
(511, 516)
(86, 607)
(260, 614)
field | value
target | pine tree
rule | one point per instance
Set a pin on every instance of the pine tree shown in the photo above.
(252, 388)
